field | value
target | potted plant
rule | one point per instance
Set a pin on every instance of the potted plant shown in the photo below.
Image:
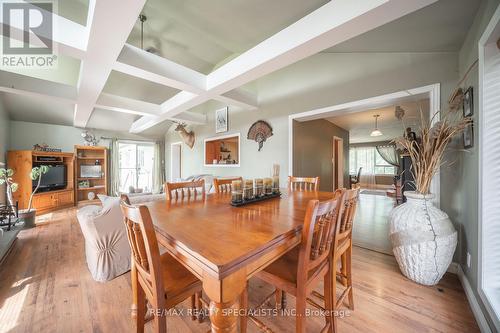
(11, 187)
(423, 237)
(28, 215)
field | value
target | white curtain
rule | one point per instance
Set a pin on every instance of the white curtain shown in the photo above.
(159, 167)
(364, 157)
(389, 154)
(114, 170)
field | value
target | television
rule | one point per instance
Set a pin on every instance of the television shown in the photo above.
(54, 179)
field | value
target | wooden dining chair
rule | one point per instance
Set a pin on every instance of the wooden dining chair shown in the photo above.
(183, 189)
(301, 269)
(161, 280)
(303, 183)
(125, 198)
(224, 185)
(355, 179)
(343, 251)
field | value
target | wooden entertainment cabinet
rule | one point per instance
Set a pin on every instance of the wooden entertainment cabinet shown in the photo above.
(21, 161)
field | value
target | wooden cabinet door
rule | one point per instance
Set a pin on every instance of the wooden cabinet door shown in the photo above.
(44, 201)
(65, 198)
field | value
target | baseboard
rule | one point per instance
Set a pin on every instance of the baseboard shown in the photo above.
(453, 268)
(476, 309)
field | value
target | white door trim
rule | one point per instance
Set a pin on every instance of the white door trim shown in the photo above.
(172, 159)
(433, 91)
(336, 173)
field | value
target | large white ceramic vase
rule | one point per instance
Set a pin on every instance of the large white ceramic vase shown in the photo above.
(423, 239)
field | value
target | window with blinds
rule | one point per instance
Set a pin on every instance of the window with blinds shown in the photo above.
(490, 179)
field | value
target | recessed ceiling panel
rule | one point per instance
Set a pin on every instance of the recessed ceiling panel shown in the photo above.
(37, 109)
(201, 34)
(132, 87)
(110, 120)
(440, 27)
(74, 10)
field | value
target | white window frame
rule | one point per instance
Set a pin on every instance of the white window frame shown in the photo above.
(486, 294)
(375, 165)
(137, 144)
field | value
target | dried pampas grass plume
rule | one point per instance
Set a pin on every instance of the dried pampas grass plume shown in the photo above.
(426, 154)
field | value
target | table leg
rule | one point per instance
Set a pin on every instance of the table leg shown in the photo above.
(224, 316)
(224, 297)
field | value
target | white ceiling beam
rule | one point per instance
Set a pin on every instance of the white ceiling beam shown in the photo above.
(148, 66)
(127, 105)
(33, 87)
(192, 118)
(132, 106)
(69, 38)
(181, 101)
(239, 97)
(108, 33)
(329, 25)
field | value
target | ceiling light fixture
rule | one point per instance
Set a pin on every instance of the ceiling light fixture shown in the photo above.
(376, 131)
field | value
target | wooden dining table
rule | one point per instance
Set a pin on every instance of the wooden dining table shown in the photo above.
(224, 246)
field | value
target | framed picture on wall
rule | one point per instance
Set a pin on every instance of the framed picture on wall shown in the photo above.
(469, 136)
(221, 120)
(468, 105)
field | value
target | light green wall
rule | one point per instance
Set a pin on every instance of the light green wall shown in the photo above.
(459, 183)
(23, 135)
(322, 80)
(4, 142)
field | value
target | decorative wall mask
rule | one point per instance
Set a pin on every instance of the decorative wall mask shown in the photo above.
(259, 132)
(187, 137)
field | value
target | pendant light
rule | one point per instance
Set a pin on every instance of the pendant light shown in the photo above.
(376, 131)
(143, 19)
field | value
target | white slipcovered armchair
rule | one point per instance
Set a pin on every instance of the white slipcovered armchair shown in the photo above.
(106, 244)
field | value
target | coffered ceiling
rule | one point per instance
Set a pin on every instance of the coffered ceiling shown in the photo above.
(206, 50)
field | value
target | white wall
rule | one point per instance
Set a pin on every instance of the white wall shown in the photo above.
(321, 80)
(4, 143)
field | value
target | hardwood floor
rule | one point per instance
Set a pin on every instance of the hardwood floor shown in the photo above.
(46, 287)
(371, 225)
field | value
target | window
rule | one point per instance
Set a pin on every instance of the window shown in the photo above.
(370, 160)
(489, 182)
(136, 166)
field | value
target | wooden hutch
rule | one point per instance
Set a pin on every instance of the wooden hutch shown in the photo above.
(95, 180)
(22, 161)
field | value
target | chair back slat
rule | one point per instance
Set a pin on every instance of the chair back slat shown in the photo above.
(350, 205)
(145, 251)
(303, 183)
(224, 185)
(320, 225)
(185, 189)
